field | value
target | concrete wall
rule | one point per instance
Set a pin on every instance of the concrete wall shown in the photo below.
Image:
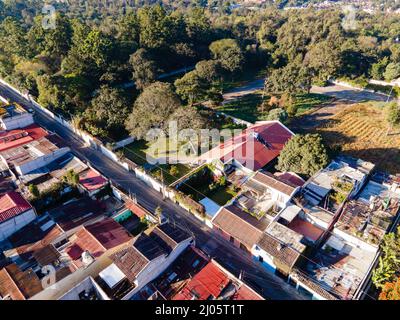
(86, 285)
(148, 179)
(123, 143)
(41, 161)
(268, 260)
(20, 121)
(156, 267)
(10, 226)
(353, 240)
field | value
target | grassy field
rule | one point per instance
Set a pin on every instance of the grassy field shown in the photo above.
(245, 108)
(307, 102)
(136, 152)
(361, 131)
(168, 175)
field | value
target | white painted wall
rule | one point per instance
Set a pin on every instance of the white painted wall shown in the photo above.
(86, 285)
(156, 267)
(10, 226)
(41, 161)
(353, 240)
(267, 258)
(20, 121)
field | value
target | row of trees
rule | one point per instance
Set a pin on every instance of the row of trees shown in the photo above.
(80, 68)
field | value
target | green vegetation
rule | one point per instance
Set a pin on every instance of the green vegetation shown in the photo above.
(393, 114)
(303, 154)
(253, 108)
(170, 172)
(204, 183)
(388, 269)
(80, 69)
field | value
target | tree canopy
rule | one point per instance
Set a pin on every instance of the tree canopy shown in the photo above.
(303, 154)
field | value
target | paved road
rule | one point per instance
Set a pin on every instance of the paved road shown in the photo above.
(223, 251)
(246, 89)
(349, 94)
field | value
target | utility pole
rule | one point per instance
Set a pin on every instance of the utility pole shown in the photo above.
(162, 183)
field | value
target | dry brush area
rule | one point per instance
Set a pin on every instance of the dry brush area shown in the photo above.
(361, 131)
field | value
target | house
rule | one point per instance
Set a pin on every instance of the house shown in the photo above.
(16, 284)
(170, 282)
(256, 147)
(92, 182)
(239, 227)
(143, 261)
(213, 282)
(279, 248)
(18, 137)
(341, 267)
(86, 290)
(77, 212)
(13, 116)
(45, 177)
(91, 241)
(266, 193)
(323, 196)
(67, 253)
(33, 155)
(15, 213)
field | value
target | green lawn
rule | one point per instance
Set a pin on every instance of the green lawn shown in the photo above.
(245, 108)
(136, 151)
(170, 176)
(307, 102)
(222, 195)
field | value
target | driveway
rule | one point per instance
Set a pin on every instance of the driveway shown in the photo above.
(349, 94)
(239, 92)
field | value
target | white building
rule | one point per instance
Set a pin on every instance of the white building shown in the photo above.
(15, 213)
(14, 117)
(141, 263)
(33, 155)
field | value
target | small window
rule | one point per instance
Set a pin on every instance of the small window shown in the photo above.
(243, 247)
(196, 263)
(232, 239)
(261, 259)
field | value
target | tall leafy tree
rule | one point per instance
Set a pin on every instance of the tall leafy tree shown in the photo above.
(303, 154)
(143, 67)
(292, 79)
(109, 108)
(152, 109)
(228, 53)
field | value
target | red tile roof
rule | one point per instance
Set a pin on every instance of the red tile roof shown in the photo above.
(209, 282)
(255, 147)
(11, 205)
(14, 138)
(92, 180)
(136, 209)
(109, 233)
(17, 284)
(291, 178)
(240, 225)
(306, 229)
(245, 293)
(97, 238)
